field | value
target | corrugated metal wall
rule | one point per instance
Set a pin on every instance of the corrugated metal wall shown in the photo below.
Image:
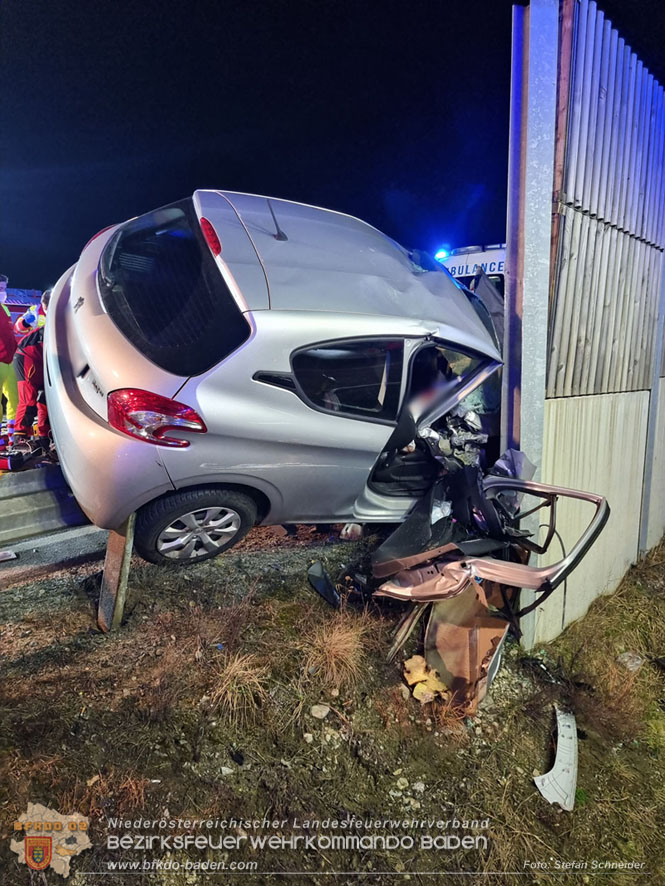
(586, 305)
(609, 199)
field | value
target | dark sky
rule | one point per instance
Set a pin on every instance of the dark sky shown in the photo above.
(395, 111)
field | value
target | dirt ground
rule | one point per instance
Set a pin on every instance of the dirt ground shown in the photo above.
(200, 707)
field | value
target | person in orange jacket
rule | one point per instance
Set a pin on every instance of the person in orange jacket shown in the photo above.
(8, 386)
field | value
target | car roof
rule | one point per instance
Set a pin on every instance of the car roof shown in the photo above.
(336, 263)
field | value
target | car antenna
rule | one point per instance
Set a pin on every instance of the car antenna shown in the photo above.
(280, 235)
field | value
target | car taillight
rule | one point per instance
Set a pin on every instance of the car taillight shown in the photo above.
(149, 417)
(211, 237)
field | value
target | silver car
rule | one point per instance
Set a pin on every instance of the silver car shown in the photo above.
(232, 360)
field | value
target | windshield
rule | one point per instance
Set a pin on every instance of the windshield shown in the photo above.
(160, 286)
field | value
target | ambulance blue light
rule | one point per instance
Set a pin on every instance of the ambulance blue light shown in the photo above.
(441, 254)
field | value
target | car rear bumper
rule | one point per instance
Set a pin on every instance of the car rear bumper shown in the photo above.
(110, 474)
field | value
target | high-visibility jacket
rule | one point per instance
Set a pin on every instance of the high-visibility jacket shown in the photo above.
(7, 340)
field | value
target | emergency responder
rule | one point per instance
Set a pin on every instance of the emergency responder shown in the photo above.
(34, 317)
(8, 387)
(29, 367)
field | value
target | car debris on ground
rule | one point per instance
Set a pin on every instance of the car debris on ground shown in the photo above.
(461, 557)
(558, 785)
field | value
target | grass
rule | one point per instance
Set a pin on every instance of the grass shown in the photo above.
(216, 670)
(238, 689)
(334, 650)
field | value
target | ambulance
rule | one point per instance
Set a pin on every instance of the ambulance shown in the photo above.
(464, 263)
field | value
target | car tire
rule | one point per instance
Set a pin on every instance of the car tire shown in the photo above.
(191, 526)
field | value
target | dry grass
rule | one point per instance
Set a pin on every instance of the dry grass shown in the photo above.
(393, 708)
(617, 708)
(105, 792)
(334, 650)
(225, 625)
(449, 716)
(91, 724)
(239, 689)
(163, 686)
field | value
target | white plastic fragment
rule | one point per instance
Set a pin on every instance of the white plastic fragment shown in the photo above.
(558, 785)
(351, 532)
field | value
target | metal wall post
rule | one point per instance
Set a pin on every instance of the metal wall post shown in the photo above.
(652, 426)
(529, 230)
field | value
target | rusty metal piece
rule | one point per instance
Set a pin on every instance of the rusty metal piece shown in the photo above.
(115, 576)
(404, 629)
(461, 642)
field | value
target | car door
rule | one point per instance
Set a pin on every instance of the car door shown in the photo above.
(461, 372)
(439, 376)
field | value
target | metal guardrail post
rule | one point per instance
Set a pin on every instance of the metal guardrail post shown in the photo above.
(114, 578)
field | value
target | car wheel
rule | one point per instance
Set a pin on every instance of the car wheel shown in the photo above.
(188, 527)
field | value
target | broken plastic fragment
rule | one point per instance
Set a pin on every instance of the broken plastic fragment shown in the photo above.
(440, 509)
(351, 532)
(558, 785)
(415, 670)
(320, 581)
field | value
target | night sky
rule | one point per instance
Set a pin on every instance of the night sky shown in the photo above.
(393, 111)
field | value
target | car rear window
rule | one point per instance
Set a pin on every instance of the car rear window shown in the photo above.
(361, 379)
(161, 287)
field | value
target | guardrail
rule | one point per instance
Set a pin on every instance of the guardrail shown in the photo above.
(36, 502)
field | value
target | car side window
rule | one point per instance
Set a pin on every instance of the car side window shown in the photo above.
(361, 379)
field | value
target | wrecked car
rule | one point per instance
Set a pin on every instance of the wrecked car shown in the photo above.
(231, 360)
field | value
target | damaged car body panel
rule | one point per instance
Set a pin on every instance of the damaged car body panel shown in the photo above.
(441, 578)
(462, 640)
(462, 554)
(320, 388)
(273, 362)
(558, 785)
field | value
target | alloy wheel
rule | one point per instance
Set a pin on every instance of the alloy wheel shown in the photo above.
(198, 533)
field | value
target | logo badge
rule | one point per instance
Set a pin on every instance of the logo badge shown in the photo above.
(38, 852)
